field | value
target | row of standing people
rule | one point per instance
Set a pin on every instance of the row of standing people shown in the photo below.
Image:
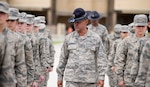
(27, 52)
(127, 57)
(89, 53)
(26, 57)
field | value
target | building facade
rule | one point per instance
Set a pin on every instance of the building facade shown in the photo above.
(58, 11)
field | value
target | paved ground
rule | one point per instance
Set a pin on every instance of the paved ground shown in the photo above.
(52, 82)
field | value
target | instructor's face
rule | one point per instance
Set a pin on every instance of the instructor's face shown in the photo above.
(80, 25)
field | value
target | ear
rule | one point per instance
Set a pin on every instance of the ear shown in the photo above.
(87, 21)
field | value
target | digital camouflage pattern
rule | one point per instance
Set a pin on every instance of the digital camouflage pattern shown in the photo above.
(101, 30)
(50, 51)
(79, 84)
(7, 78)
(16, 48)
(82, 58)
(28, 58)
(111, 58)
(123, 61)
(36, 57)
(112, 37)
(138, 50)
(143, 77)
(113, 50)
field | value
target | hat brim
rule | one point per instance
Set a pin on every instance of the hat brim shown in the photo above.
(72, 19)
(124, 31)
(7, 12)
(29, 23)
(22, 20)
(140, 24)
(38, 25)
(43, 21)
(90, 18)
(12, 18)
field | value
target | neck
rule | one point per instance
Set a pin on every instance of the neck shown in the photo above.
(2, 27)
(83, 32)
(18, 31)
(14, 30)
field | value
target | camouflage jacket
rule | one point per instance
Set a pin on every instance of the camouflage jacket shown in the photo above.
(82, 58)
(16, 48)
(101, 30)
(143, 77)
(7, 78)
(28, 58)
(112, 55)
(109, 42)
(123, 61)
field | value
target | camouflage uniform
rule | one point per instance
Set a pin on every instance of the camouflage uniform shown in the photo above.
(50, 58)
(50, 53)
(82, 58)
(78, 84)
(123, 61)
(126, 51)
(14, 51)
(43, 55)
(143, 77)
(48, 33)
(111, 57)
(36, 58)
(109, 42)
(101, 30)
(136, 59)
(112, 37)
(49, 50)
(113, 50)
(7, 78)
(28, 58)
(28, 52)
(18, 58)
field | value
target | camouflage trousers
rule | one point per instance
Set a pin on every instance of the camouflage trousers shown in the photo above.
(112, 78)
(41, 84)
(78, 84)
(46, 79)
(128, 80)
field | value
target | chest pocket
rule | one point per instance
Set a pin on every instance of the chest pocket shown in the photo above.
(72, 47)
(90, 46)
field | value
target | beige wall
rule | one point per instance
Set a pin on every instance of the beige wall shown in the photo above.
(132, 6)
(26, 4)
(68, 6)
(65, 7)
